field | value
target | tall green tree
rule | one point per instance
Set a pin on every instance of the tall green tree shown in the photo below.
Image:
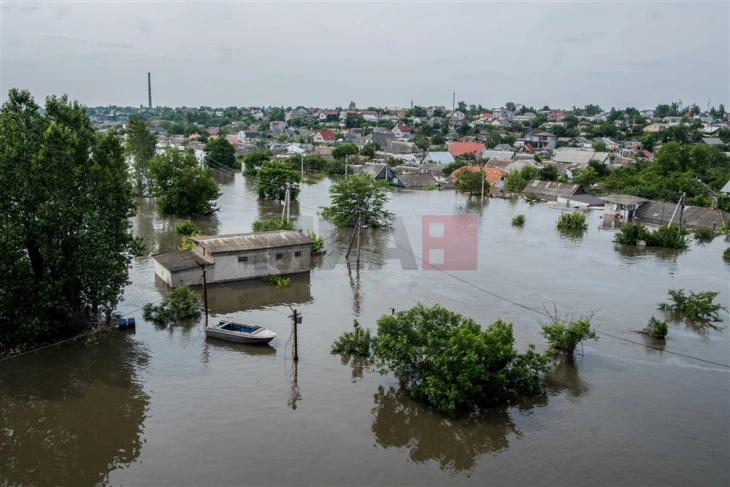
(343, 150)
(140, 147)
(469, 181)
(272, 179)
(180, 185)
(253, 161)
(220, 152)
(358, 194)
(66, 240)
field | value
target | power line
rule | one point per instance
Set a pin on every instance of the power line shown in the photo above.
(548, 315)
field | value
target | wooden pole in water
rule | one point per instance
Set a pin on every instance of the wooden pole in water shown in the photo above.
(295, 320)
(288, 201)
(482, 182)
(358, 240)
(205, 292)
(681, 212)
(352, 239)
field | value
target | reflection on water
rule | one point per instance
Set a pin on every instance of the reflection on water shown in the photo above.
(224, 177)
(565, 377)
(357, 363)
(231, 297)
(357, 296)
(72, 416)
(456, 444)
(295, 394)
(242, 348)
(629, 252)
(572, 235)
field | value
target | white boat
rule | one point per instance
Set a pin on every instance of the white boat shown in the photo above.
(239, 332)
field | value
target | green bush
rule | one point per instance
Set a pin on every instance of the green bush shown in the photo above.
(279, 282)
(179, 304)
(357, 341)
(317, 242)
(700, 200)
(532, 198)
(695, 306)
(726, 254)
(186, 227)
(519, 220)
(564, 335)
(704, 234)
(656, 328)
(572, 221)
(271, 224)
(453, 363)
(664, 236)
(187, 241)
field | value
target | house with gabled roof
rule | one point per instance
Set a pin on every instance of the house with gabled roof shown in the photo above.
(402, 131)
(463, 148)
(325, 137)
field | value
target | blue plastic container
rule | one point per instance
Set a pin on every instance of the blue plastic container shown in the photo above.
(126, 323)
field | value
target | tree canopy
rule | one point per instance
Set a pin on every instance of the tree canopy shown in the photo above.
(180, 185)
(272, 178)
(253, 161)
(343, 150)
(140, 146)
(220, 152)
(448, 360)
(358, 194)
(66, 241)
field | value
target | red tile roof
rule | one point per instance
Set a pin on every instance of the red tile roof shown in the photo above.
(327, 134)
(233, 139)
(368, 112)
(493, 175)
(403, 128)
(648, 154)
(461, 148)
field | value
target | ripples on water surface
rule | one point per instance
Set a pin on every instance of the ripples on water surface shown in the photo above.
(166, 406)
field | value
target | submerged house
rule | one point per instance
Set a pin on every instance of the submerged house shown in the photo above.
(236, 257)
(622, 206)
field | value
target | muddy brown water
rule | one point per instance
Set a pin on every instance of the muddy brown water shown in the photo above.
(166, 406)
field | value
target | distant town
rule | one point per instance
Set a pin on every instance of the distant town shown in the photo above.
(602, 151)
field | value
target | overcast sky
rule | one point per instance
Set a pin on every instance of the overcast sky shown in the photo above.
(325, 54)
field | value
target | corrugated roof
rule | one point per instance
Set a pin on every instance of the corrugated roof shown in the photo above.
(181, 261)
(578, 156)
(252, 241)
(498, 155)
(441, 157)
(374, 170)
(623, 199)
(552, 188)
(416, 180)
(660, 213)
(585, 198)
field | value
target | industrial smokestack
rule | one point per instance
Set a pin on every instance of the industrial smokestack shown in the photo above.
(149, 88)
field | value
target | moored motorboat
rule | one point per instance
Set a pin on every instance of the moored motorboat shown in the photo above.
(239, 332)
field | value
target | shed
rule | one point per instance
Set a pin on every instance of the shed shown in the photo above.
(552, 189)
(414, 180)
(237, 257)
(623, 206)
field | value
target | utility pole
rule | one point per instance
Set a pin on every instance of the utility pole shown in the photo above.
(296, 319)
(482, 171)
(205, 292)
(285, 210)
(359, 227)
(352, 239)
(681, 211)
(302, 157)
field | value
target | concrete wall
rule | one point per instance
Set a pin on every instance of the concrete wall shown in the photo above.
(259, 263)
(565, 200)
(189, 276)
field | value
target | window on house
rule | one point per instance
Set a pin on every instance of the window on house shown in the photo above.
(242, 258)
(279, 256)
(298, 253)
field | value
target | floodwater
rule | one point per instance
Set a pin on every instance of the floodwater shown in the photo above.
(166, 406)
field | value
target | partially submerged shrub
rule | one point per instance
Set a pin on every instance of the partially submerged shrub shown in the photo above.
(572, 221)
(279, 282)
(656, 328)
(519, 220)
(664, 236)
(271, 224)
(565, 333)
(186, 227)
(704, 234)
(726, 254)
(452, 362)
(532, 198)
(179, 304)
(187, 241)
(357, 341)
(695, 306)
(317, 243)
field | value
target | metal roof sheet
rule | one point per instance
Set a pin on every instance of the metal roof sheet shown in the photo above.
(252, 241)
(182, 260)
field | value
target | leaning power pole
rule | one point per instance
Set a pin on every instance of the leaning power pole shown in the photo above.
(205, 292)
(296, 319)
